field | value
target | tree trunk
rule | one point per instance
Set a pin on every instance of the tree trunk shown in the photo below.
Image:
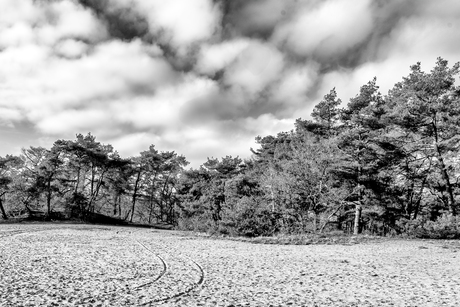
(358, 207)
(450, 191)
(5, 217)
(95, 194)
(77, 182)
(151, 211)
(358, 211)
(136, 187)
(449, 188)
(315, 222)
(48, 197)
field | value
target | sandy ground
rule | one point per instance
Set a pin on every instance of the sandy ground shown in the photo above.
(81, 265)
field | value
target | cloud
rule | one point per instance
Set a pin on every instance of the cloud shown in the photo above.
(73, 120)
(254, 68)
(71, 48)
(29, 22)
(213, 58)
(164, 109)
(181, 23)
(424, 36)
(419, 33)
(9, 116)
(217, 138)
(325, 32)
(43, 83)
(256, 19)
(123, 18)
(293, 89)
(201, 77)
(131, 144)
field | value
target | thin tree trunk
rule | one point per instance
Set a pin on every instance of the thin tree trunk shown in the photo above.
(78, 180)
(5, 217)
(151, 210)
(116, 200)
(162, 201)
(92, 179)
(48, 197)
(315, 221)
(358, 207)
(136, 187)
(95, 194)
(410, 199)
(450, 191)
(358, 212)
(449, 188)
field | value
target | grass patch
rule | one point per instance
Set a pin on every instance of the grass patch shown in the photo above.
(303, 239)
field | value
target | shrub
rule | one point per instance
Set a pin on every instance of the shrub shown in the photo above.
(446, 226)
(251, 218)
(198, 223)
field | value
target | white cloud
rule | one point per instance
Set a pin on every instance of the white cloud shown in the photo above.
(131, 144)
(181, 22)
(293, 86)
(164, 108)
(221, 138)
(72, 20)
(43, 84)
(9, 116)
(255, 67)
(327, 31)
(423, 39)
(71, 48)
(14, 11)
(67, 121)
(27, 22)
(16, 35)
(213, 58)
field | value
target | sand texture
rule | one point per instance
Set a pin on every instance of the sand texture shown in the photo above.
(82, 265)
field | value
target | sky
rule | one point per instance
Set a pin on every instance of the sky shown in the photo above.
(202, 78)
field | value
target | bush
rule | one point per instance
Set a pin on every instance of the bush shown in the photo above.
(446, 226)
(198, 223)
(251, 218)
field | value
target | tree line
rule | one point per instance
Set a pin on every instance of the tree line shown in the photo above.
(381, 164)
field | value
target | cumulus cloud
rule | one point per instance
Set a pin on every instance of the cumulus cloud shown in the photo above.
(256, 18)
(294, 87)
(325, 31)
(113, 69)
(122, 18)
(30, 22)
(9, 116)
(181, 22)
(201, 77)
(71, 48)
(254, 68)
(73, 120)
(214, 58)
(166, 107)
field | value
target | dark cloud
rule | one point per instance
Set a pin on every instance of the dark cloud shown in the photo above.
(123, 22)
(388, 15)
(254, 18)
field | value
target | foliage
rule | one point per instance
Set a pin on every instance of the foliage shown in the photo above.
(376, 165)
(446, 226)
